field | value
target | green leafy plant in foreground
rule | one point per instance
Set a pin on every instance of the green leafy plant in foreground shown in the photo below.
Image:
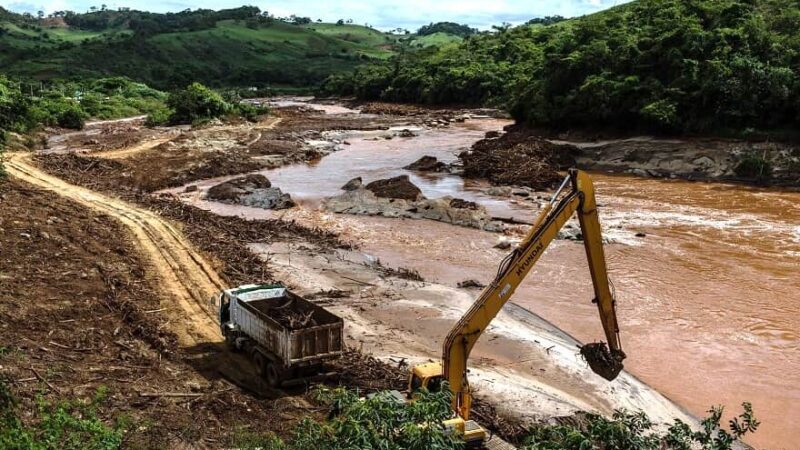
(633, 431)
(380, 421)
(66, 425)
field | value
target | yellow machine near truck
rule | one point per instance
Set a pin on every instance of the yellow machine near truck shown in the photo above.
(605, 360)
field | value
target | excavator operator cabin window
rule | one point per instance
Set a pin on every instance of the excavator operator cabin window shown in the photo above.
(416, 383)
(435, 384)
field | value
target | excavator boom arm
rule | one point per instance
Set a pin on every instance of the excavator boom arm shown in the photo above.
(513, 270)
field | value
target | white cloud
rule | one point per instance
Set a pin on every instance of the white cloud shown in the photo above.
(379, 13)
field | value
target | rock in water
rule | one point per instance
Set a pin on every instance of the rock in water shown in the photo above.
(398, 187)
(352, 185)
(427, 164)
(269, 198)
(251, 190)
(232, 189)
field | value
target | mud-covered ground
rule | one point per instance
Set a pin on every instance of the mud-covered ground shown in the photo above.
(83, 308)
(80, 311)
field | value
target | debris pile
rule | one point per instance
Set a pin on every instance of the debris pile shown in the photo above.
(427, 164)
(251, 190)
(517, 158)
(227, 238)
(395, 109)
(466, 284)
(290, 314)
(399, 187)
(365, 372)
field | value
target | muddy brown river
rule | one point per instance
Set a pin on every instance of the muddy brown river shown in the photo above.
(709, 299)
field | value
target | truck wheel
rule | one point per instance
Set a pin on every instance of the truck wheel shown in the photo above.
(230, 341)
(261, 364)
(272, 374)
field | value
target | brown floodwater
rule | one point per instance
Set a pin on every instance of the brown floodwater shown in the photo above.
(709, 300)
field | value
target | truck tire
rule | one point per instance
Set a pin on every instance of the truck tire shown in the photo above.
(261, 364)
(272, 373)
(230, 341)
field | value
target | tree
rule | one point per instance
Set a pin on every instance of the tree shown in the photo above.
(196, 103)
(447, 27)
(72, 117)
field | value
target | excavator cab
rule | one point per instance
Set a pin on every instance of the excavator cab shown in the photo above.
(429, 376)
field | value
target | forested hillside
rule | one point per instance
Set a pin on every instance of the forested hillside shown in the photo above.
(234, 47)
(657, 65)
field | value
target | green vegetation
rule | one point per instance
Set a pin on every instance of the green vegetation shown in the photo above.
(754, 167)
(700, 66)
(447, 28)
(68, 425)
(197, 104)
(431, 40)
(233, 47)
(26, 106)
(381, 421)
(634, 432)
(378, 422)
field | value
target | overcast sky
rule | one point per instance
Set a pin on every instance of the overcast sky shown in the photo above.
(383, 14)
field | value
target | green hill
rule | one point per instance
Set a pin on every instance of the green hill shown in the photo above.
(652, 65)
(238, 47)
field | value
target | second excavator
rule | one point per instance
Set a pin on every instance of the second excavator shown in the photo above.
(605, 360)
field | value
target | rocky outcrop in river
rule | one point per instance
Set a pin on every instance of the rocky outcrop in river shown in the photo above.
(701, 159)
(398, 197)
(251, 190)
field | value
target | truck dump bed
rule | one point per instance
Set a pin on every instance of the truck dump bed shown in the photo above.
(289, 326)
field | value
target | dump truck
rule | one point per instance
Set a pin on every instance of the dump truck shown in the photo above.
(287, 337)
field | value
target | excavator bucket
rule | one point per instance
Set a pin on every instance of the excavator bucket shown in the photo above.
(602, 361)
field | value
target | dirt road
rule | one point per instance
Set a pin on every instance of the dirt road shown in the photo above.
(185, 277)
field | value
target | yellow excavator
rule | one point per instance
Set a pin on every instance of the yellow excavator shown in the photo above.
(605, 360)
